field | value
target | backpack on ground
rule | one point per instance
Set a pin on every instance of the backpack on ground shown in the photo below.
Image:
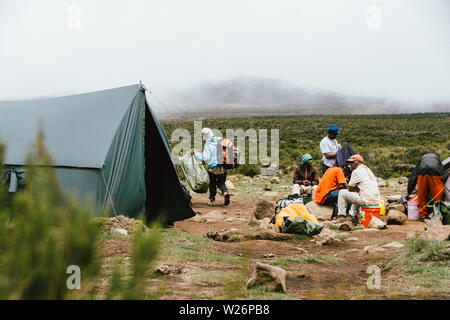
(229, 154)
(283, 203)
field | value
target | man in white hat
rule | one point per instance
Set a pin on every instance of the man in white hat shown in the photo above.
(217, 173)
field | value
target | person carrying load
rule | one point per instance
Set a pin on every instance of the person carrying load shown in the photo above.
(427, 175)
(362, 189)
(306, 177)
(216, 172)
(329, 148)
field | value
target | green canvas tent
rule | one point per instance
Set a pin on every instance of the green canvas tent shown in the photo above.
(107, 144)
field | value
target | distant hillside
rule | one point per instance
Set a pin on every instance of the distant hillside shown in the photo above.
(244, 96)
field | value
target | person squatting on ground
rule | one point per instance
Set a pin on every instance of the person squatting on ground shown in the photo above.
(332, 182)
(329, 148)
(306, 177)
(362, 189)
(217, 173)
(427, 175)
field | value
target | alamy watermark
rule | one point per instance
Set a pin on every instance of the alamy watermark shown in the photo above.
(374, 280)
(74, 280)
(373, 21)
(258, 140)
(73, 21)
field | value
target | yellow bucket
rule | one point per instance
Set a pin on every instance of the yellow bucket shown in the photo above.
(382, 208)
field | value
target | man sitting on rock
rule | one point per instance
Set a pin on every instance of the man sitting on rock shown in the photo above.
(306, 177)
(362, 189)
(332, 182)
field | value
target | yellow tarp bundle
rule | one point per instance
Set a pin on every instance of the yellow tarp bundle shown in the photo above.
(294, 210)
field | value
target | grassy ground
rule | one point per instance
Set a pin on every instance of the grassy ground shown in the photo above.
(389, 143)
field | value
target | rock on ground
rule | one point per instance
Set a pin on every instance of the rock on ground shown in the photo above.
(319, 211)
(120, 231)
(244, 235)
(376, 223)
(211, 216)
(264, 223)
(394, 245)
(346, 226)
(326, 237)
(264, 209)
(396, 217)
(381, 182)
(402, 180)
(274, 179)
(121, 222)
(435, 230)
(169, 269)
(396, 206)
(267, 187)
(372, 249)
(229, 185)
(393, 198)
(443, 254)
(270, 277)
(433, 222)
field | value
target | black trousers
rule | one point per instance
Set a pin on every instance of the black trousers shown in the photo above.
(217, 181)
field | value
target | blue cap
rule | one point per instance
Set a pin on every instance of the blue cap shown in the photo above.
(333, 128)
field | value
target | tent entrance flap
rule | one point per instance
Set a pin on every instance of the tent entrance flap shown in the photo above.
(165, 195)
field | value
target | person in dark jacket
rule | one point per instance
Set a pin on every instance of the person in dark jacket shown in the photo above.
(306, 177)
(427, 175)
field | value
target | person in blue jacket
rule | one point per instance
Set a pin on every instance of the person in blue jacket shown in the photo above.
(217, 173)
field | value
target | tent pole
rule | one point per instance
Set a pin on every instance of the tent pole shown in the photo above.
(109, 193)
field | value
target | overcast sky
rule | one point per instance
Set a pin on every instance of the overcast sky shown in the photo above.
(397, 49)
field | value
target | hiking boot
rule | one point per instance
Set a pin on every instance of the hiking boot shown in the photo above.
(227, 199)
(211, 203)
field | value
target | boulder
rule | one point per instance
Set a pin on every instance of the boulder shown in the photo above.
(119, 231)
(229, 185)
(372, 249)
(274, 179)
(241, 235)
(435, 230)
(402, 180)
(443, 254)
(393, 198)
(232, 178)
(396, 206)
(346, 226)
(264, 223)
(169, 269)
(326, 237)
(396, 217)
(267, 187)
(319, 211)
(376, 223)
(270, 277)
(394, 245)
(264, 209)
(432, 223)
(381, 182)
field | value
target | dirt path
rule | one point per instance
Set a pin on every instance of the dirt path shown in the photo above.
(219, 270)
(344, 280)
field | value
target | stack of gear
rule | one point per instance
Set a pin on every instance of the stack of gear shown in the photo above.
(196, 175)
(295, 218)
